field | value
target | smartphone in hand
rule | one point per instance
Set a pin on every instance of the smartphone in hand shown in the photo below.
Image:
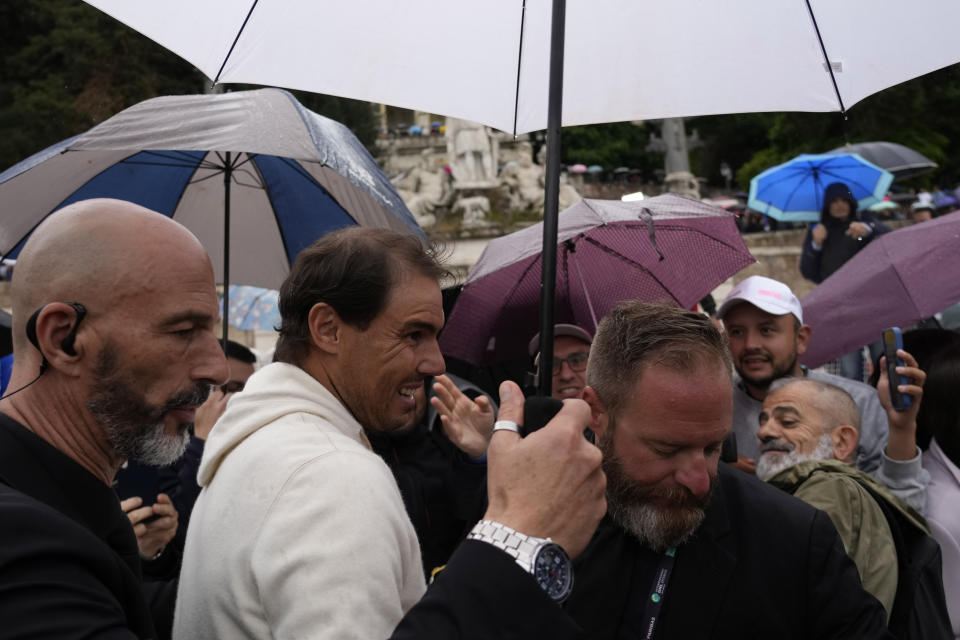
(893, 340)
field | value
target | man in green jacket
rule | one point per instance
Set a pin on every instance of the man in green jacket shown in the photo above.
(809, 431)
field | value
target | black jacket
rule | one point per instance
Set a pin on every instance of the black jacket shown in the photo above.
(69, 564)
(762, 565)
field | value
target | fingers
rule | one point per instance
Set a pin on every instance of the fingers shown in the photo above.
(511, 408)
(856, 230)
(165, 509)
(446, 390)
(137, 515)
(130, 504)
(484, 403)
(511, 402)
(909, 361)
(914, 375)
(209, 412)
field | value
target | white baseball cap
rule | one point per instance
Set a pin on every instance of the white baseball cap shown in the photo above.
(766, 294)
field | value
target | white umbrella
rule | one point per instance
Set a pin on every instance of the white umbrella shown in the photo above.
(511, 64)
(624, 59)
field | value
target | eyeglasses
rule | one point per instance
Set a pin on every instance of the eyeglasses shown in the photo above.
(576, 361)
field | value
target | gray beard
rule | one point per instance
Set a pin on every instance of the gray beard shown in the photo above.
(134, 427)
(769, 465)
(656, 527)
(152, 446)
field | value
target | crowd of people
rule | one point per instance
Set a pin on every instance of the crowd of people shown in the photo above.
(153, 485)
(908, 206)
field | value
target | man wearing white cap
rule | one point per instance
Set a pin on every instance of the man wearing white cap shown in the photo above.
(571, 349)
(764, 324)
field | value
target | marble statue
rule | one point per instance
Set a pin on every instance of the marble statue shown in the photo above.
(424, 190)
(473, 211)
(473, 154)
(524, 182)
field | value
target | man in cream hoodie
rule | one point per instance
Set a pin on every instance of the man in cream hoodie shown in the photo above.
(299, 524)
(300, 530)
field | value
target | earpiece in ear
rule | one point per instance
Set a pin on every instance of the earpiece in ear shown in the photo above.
(67, 344)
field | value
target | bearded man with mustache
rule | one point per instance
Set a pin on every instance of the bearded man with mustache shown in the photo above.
(114, 309)
(690, 547)
(808, 431)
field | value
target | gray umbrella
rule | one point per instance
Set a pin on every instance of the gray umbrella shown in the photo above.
(903, 162)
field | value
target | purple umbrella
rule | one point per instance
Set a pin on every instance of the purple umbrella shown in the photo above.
(897, 280)
(668, 248)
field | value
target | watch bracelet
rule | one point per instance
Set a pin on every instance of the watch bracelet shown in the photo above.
(518, 546)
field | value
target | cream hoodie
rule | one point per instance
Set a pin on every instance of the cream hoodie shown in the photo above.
(300, 530)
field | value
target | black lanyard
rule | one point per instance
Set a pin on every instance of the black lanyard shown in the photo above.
(659, 587)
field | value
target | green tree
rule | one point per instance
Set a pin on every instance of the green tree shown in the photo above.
(65, 66)
(617, 144)
(920, 114)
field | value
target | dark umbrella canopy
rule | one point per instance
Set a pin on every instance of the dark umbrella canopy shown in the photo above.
(903, 162)
(665, 249)
(897, 280)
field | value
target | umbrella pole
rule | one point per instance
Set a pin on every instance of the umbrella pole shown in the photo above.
(227, 174)
(548, 278)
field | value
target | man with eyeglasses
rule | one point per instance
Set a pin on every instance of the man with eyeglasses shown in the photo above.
(571, 349)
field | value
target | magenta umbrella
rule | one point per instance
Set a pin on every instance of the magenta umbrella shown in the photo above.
(897, 280)
(664, 249)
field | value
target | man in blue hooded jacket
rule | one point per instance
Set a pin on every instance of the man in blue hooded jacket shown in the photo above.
(841, 233)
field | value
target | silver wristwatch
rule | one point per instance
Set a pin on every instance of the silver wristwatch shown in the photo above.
(542, 558)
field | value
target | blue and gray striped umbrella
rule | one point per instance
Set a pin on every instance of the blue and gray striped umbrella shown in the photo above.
(254, 167)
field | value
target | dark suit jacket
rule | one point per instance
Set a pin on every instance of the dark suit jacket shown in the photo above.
(69, 564)
(484, 595)
(762, 565)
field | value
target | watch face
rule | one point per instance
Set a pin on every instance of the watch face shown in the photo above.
(554, 571)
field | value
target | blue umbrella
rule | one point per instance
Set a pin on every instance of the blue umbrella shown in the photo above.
(793, 191)
(253, 308)
(253, 174)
